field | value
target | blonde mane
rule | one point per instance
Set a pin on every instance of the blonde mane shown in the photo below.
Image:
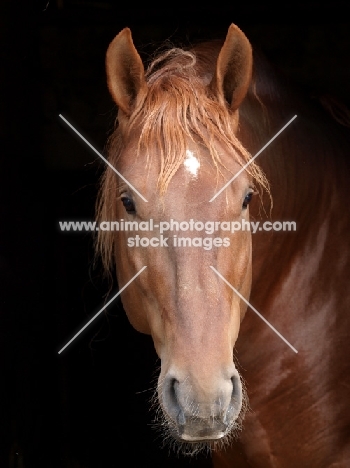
(179, 106)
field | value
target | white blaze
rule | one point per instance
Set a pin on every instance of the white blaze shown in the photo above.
(191, 163)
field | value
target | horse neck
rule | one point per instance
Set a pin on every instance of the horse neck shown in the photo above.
(307, 167)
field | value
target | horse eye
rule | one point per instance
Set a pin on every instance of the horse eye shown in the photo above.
(129, 205)
(247, 200)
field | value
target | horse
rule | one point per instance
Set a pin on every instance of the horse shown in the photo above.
(187, 129)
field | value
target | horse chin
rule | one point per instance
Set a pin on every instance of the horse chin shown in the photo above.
(198, 436)
(208, 430)
(198, 432)
(204, 442)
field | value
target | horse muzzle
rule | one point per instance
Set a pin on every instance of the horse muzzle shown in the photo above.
(197, 413)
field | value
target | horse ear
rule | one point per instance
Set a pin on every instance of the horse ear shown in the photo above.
(234, 68)
(125, 71)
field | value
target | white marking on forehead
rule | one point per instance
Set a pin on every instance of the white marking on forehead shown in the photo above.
(191, 163)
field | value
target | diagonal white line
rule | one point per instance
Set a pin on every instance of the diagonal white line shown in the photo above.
(251, 160)
(103, 308)
(103, 158)
(253, 309)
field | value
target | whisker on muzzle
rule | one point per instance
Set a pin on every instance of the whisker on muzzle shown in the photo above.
(168, 433)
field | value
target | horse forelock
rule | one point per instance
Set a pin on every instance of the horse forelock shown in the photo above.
(180, 107)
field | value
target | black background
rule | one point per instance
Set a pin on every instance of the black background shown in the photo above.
(88, 407)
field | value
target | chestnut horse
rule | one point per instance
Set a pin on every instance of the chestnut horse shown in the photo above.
(186, 127)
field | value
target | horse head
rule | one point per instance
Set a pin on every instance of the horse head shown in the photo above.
(176, 143)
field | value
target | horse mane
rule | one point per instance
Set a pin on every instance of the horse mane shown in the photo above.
(337, 109)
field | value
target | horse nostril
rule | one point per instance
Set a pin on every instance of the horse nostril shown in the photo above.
(171, 402)
(236, 387)
(235, 405)
(172, 388)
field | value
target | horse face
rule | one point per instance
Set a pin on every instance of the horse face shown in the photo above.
(191, 313)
